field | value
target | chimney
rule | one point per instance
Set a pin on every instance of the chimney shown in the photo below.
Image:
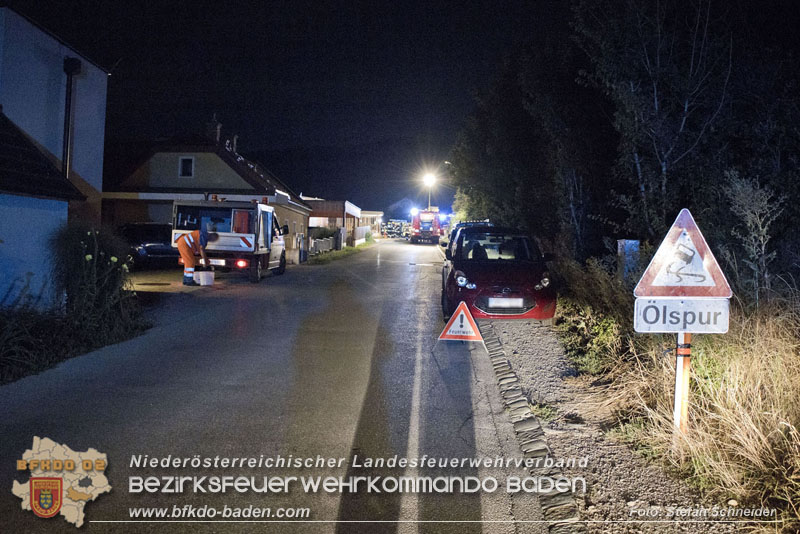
(214, 129)
(72, 66)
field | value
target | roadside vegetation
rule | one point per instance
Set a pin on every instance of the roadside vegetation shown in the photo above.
(743, 442)
(608, 121)
(97, 307)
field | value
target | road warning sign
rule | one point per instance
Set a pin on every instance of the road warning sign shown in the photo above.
(683, 265)
(461, 326)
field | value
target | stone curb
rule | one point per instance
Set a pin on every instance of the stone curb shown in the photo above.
(558, 508)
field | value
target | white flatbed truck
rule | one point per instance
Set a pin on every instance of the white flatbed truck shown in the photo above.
(249, 235)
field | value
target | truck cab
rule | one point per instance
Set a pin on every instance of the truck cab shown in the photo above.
(426, 226)
(249, 236)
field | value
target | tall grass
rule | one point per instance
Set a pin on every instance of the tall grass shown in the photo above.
(743, 440)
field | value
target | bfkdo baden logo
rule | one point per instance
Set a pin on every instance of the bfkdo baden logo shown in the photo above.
(46, 495)
(62, 480)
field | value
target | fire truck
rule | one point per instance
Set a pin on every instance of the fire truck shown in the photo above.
(426, 226)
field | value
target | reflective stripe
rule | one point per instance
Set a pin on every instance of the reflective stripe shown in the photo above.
(189, 269)
(190, 238)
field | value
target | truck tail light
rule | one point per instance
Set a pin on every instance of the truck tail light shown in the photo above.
(241, 264)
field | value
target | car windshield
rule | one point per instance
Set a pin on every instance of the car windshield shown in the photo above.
(146, 233)
(497, 246)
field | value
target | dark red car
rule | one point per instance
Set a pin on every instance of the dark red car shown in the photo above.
(499, 272)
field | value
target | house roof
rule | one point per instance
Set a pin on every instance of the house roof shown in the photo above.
(52, 35)
(25, 170)
(260, 179)
(332, 208)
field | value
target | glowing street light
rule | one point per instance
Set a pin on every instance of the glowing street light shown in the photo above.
(429, 180)
(414, 211)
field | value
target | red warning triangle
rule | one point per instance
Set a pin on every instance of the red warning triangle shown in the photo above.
(683, 265)
(461, 326)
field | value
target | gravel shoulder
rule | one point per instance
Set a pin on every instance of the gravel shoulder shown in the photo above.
(625, 493)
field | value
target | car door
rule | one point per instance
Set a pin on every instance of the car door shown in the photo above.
(278, 245)
(447, 269)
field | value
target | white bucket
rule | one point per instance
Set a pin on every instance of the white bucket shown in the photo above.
(204, 278)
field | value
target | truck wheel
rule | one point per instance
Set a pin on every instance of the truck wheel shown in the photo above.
(282, 265)
(255, 270)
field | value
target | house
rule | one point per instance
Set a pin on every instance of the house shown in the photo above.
(195, 168)
(373, 219)
(34, 199)
(57, 97)
(335, 215)
(338, 214)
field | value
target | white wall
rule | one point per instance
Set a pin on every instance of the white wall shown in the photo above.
(26, 225)
(32, 92)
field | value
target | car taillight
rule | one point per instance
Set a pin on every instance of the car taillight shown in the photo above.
(241, 264)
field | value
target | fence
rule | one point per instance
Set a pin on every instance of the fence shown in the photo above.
(361, 234)
(319, 246)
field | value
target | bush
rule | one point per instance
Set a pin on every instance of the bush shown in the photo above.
(322, 232)
(89, 270)
(90, 267)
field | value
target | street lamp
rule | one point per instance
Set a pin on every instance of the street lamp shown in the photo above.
(429, 179)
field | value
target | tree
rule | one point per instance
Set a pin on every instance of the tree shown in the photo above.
(756, 207)
(666, 65)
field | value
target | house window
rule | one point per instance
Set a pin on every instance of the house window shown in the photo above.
(186, 167)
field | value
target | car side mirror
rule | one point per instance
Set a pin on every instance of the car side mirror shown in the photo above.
(284, 229)
(548, 256)
(448, 254)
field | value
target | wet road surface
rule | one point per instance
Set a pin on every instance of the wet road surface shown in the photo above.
(337, 361)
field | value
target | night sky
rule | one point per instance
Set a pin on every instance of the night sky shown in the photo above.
(341, 100)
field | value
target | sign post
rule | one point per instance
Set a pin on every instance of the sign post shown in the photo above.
(683, 368)
(682, 291)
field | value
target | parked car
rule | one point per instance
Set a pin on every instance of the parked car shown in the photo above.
(444, 241)
(149, 244)
(499, 273)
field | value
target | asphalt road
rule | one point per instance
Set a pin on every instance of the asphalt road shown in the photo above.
(336, 360)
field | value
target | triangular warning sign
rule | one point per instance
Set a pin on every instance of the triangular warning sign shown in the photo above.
(683, 265)
(461, 326)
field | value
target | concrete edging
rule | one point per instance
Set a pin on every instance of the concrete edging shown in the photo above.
(560, 509)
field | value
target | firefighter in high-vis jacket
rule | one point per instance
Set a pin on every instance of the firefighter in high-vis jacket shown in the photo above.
(191, 244)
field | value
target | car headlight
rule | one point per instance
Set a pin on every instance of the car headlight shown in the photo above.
(463, 281)
(543, 283)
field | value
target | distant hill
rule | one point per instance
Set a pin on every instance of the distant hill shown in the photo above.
(374, 176)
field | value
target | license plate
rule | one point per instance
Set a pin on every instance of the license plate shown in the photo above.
(505, 303)
(217, 262)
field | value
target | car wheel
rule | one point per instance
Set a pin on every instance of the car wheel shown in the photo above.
(255, 270)
(445, 307)
(282, 265)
